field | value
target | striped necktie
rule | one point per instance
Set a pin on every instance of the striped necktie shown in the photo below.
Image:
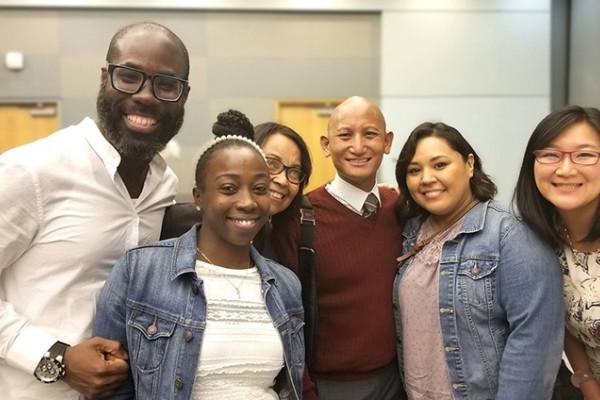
(370, 207)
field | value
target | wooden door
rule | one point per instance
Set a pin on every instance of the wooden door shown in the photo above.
(24, 123)
(309, 118)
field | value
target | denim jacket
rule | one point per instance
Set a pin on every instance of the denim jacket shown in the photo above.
(154, 304)
(500, 306)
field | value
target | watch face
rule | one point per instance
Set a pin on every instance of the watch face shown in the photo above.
(48, 370)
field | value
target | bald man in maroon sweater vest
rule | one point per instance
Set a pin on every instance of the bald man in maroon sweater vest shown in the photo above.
(356, 247)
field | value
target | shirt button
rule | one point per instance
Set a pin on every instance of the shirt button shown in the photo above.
(178, 383)
(152, 329)
(188, 336)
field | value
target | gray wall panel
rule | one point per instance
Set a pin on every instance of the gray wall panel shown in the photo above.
(40, 78)
(293, 5)
(297, 35)
(292, 78)
(584, 79)
(76, 37)
(33, 32)
(74, 109)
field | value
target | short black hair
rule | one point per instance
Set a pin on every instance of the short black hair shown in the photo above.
(481, 184)
(262, 133)
(536, 211)
(231, 122)
(149, 25)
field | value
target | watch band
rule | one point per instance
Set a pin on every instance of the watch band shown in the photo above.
(57, 350)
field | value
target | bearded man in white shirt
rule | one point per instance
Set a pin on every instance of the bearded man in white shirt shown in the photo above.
(71, 204)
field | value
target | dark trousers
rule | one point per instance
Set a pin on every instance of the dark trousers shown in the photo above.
(386, 385)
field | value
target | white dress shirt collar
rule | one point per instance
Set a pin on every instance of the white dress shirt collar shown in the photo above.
(349, 195)
(111, 158)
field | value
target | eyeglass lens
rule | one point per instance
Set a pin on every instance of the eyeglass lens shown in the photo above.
(583, 157)
(293, 174)
(131, 81)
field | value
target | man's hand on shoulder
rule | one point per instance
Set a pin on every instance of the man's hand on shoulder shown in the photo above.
(96, 366)
(390, 186)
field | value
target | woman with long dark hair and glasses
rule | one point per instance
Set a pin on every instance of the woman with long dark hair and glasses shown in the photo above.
(558, 195)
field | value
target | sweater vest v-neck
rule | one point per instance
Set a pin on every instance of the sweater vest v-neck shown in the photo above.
(355, 266)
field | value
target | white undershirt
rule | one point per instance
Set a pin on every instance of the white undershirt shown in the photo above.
(241, 350)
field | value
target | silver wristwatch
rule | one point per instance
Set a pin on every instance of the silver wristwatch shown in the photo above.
(51, 367)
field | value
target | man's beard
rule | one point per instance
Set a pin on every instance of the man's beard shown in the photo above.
(134, 146)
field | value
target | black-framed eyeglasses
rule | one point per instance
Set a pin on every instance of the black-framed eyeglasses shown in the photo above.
(293, 174)
(552, 156)
(129, 80)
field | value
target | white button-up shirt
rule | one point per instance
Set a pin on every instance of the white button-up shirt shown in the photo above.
(349, 195)
(65, 219)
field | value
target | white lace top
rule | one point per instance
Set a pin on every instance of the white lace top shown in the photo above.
(241, 350)
(582, 300)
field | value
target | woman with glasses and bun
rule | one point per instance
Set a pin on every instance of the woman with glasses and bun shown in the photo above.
(558, 195)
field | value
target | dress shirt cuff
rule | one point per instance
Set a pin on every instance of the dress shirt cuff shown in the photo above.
(28, 348)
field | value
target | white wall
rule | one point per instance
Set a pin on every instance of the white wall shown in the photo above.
(584, 79)
(482, 66)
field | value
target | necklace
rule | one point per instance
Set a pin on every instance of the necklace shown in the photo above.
(420, 245)
(236, 287)
(570, 243)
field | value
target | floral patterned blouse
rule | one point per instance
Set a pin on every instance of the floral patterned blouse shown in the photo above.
(582, 300)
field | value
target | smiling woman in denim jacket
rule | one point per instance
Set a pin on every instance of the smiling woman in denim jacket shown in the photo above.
(205, 316)
(477, 296)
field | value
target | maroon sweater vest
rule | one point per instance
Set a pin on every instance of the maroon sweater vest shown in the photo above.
(355, 267)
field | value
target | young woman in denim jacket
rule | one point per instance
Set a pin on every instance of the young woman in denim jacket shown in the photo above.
(205, 316)
(558, 195)
(477, 296)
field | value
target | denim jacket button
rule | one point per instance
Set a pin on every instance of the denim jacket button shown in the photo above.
(459, 386)
(194, 290)
(475, 270)
(188, 336)
(152, 329)
(178, 383)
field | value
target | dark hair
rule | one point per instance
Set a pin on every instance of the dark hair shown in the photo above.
(230, 122)
(481, 185)
(263, 132)
(536, 211)
(148, 25)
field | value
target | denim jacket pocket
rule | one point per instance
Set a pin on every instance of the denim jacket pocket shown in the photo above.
(150, 334)
(476, 284)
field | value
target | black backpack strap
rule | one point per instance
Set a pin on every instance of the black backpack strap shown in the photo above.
(306, 273)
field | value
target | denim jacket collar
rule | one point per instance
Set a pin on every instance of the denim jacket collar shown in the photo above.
(474, 222)
(186, 251)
